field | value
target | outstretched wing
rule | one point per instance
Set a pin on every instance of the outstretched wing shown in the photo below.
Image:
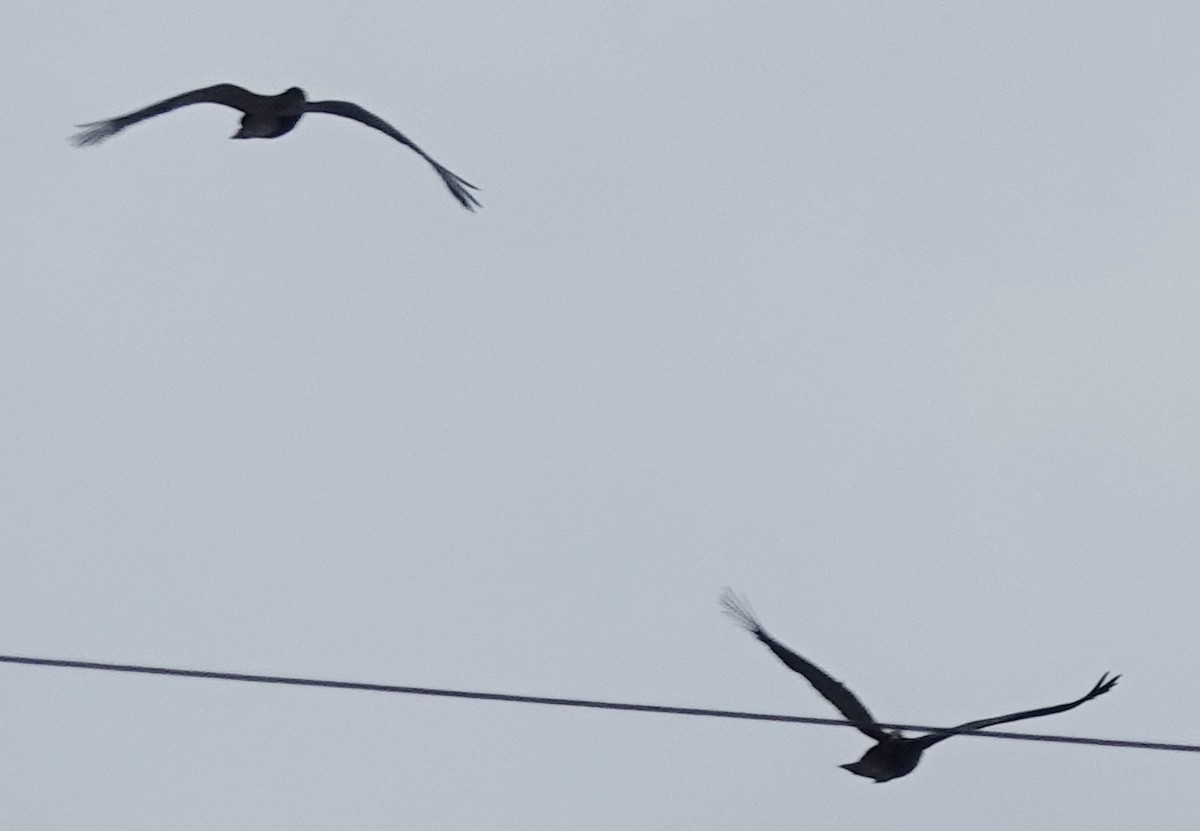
(227, 94)
(1102, 686)
(457, 185)
(837, 695)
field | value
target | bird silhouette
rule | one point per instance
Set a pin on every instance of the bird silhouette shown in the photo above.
(893, 755)
(270, 116)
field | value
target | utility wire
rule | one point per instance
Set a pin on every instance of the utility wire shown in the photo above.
(578, 702)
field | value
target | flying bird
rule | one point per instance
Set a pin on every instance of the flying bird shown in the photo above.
(270, 116)
(893, 755)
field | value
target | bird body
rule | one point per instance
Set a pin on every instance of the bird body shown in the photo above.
(888, 758)
(277, 116)
(271, 116)
(893, 755)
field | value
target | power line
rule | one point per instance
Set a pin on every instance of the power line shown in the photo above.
(578, 702)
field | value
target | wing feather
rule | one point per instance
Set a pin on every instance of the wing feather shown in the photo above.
(226, 94)
(1102, 686)
(457, 185)
(833, 691)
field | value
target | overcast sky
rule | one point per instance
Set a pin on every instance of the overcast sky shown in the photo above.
(884, 315)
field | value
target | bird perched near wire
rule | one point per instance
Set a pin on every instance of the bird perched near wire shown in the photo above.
(893, 755)
(270, 116)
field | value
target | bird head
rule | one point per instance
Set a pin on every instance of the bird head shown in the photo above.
(292, 98)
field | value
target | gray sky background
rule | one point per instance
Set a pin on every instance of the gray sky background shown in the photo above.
(883, 316)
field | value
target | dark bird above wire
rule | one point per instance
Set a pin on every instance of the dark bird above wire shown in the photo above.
(270, 116)
(893, 755)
